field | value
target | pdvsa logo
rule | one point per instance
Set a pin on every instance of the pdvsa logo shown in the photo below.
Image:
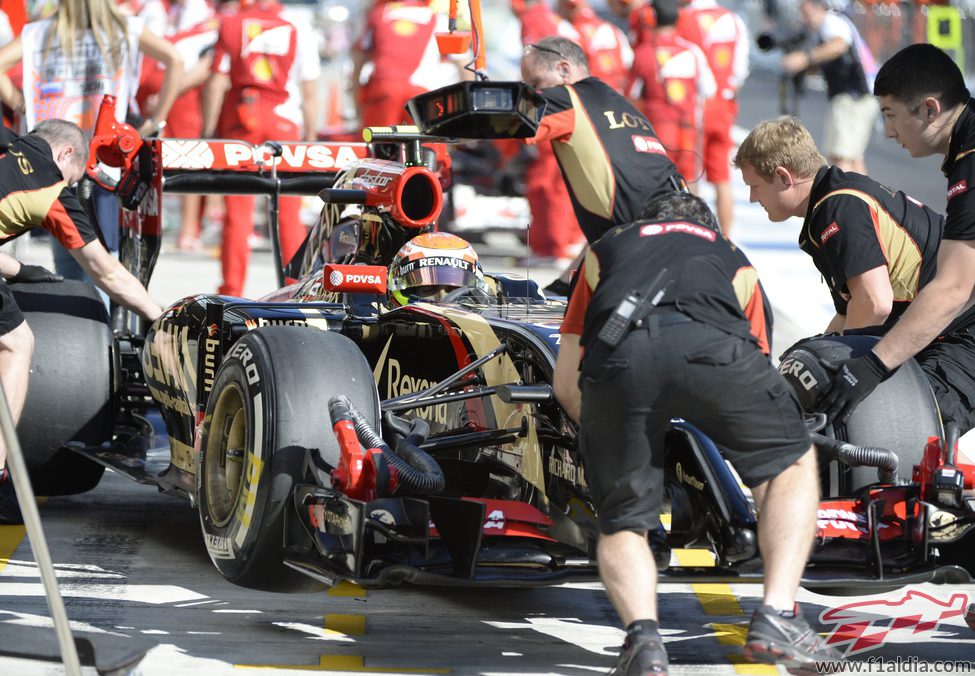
(355, 278)
(336, 278)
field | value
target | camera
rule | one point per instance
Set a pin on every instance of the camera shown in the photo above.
(787, 42)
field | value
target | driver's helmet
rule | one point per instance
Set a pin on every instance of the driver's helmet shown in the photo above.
(431, 265)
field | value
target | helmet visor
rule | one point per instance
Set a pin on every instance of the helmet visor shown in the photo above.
(439, 276)
(437, 271)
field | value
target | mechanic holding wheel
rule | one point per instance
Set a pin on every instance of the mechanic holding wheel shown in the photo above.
(674, 347)
(928, 110)
(36, 171)
(875, 247)
(610, 157)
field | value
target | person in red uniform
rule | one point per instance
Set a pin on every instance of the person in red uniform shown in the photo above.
(397, 56)
(555, 232)
(671, 79)
(605, 45)
(194, 45)
(262, 88)
(639, 18)
(722, 35)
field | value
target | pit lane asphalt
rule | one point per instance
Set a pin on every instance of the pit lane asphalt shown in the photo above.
(132, 563)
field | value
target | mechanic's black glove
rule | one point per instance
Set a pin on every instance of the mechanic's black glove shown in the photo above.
(35, 274)
(853, 381)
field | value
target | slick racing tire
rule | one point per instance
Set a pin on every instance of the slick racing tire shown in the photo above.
(899, 415)
(267, 412)
(71, 393)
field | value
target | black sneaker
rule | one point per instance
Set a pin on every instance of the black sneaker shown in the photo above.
(643, 656)
(789, 641)
(9, 508)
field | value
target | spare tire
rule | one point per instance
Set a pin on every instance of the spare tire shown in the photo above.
(900, 415)
(71, 389)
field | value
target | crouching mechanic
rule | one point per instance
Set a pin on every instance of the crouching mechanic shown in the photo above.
(432, 265)
(707, 335)
(876, 248)
(35, 173)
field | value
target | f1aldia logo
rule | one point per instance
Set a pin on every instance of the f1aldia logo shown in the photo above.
(866, 625)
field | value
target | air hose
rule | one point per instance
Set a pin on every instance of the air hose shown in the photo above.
(853, 455)
(417, 473)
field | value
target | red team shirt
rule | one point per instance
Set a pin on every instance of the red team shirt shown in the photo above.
(393, 36)
(606, 47)
(265, 56)
(722, 35)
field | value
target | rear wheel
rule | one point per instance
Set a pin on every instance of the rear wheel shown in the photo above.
(267, 412)
(71, 384)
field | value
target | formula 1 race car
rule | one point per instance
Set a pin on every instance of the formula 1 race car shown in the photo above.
(324, 436)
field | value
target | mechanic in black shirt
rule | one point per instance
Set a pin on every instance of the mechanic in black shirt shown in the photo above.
(35, 172)
(610, 157)
(928, 110)
(701, 355)
(875, 247)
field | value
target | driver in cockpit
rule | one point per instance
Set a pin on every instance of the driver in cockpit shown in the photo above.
(433, 266)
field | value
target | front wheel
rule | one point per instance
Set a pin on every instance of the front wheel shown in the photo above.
(267, 412)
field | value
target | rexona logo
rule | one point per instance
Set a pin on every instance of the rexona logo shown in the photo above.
(354, 278)
(867, 625)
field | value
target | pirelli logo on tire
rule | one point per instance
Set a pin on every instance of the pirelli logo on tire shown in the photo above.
(242, 353)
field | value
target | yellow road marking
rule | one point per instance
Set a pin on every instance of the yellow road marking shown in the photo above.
(344, 663)
(347, 625)
(694, 558)
(355, 663)
(743, 667)
(10, 539)
(730, 634)
(346, 588)
(717, 599)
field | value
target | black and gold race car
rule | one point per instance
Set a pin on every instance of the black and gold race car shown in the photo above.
(326, 436)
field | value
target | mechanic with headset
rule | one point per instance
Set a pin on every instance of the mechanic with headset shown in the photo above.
(876, 248)
(35, 174)
(555, 232)
(610, 157)
(678, 346)
(432, 265)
